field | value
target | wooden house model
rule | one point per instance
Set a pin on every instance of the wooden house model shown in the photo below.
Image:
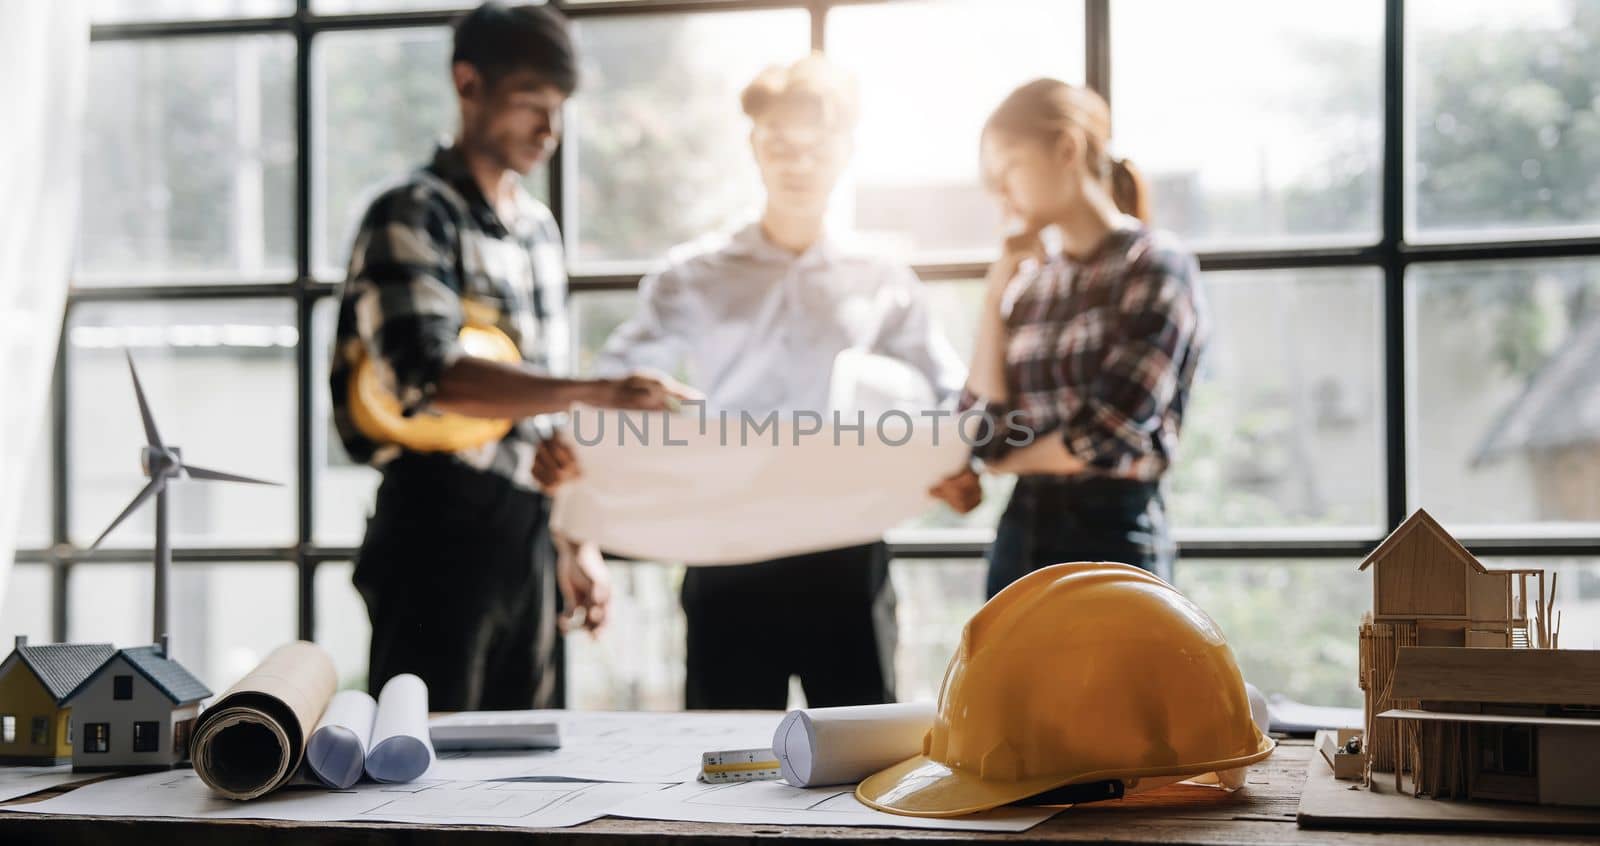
(1511, 725)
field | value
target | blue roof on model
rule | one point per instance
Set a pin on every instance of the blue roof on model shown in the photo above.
(171, 678)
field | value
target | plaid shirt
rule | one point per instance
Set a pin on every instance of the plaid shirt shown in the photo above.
(428, 250)
(1103, 351)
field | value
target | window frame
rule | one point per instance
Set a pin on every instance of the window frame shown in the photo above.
(1392, 255)
(97, 738)
(152, 733)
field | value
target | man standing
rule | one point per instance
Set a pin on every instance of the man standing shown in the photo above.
(756, 320)
(457, 568)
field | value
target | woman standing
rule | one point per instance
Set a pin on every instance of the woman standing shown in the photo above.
(1091, 347)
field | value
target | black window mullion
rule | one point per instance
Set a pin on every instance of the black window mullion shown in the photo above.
(305, 471)
(1393, 259)
(60, 512)
(1097, 46)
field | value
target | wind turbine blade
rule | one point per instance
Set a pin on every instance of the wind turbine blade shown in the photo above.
(150, 433)
(219, 476)
(149, 490)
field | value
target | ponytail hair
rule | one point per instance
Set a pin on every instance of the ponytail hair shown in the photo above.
(1129, 189)
(1045, 108)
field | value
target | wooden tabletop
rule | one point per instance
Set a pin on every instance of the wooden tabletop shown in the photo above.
(1264, 812)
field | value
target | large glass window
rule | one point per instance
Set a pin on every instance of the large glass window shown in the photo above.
(220, 379)
(914, 182)
(25, 603)
(189, 162)
(1239, 155)
(1504, 122)
(657, 140)
(225, 618)
(1283, 429)
(126, 11)
(1505, 394)
(383, 99)
(1291, 624)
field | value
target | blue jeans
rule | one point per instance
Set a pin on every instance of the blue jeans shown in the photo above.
(1053, 519)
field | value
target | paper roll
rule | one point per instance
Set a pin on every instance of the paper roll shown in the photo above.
(337, 750)
(821, 746)
(252, 740)
(401, 750)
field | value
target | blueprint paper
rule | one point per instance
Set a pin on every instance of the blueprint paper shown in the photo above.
(337, 751)
(823, 746)
(285, 696)
(727, 493)
(21, 781)
(401, 749)
(777, 803)
(180, 794)
(618, 746)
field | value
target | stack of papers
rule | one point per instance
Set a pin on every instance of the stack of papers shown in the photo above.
(639, 765)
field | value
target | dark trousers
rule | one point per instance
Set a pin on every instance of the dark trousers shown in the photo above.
(1051, 520)
(827, 617)
(458, 573)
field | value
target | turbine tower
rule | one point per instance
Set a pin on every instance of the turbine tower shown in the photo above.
(162, 464)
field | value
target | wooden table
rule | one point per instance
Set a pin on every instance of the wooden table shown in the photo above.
(1262, 813)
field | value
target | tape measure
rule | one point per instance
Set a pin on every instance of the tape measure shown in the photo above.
(739, 765)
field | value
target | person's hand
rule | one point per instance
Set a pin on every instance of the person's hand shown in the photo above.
(555, 462)
(961, 491)
(647, 391)
(1019, 246)
(585, 586)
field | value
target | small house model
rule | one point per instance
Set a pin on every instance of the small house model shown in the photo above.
(136, 711)
(1466, 691)
(34, 684)
(1510, 725)
(1428, 590)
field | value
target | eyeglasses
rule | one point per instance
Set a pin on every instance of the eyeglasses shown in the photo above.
(793, 141)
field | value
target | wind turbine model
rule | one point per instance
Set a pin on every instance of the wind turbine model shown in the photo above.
(162, 464)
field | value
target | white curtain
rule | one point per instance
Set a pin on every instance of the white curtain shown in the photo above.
(43, 56)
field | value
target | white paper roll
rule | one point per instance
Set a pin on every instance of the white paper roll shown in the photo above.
(820, 746)
(337, 751)
(401, 750)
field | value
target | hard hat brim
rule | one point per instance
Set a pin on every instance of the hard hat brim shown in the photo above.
(923, 787)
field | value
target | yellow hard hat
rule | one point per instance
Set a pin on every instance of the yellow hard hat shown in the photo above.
(377, 412)
(1090, 673)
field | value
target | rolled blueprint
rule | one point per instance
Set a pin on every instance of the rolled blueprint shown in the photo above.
(401, 750)
(337, 750)
(252, 740)
(820, 746)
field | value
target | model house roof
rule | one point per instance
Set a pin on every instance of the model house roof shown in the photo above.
(1422, 521)
(171, 678)
(1516, 676)
(61, 667)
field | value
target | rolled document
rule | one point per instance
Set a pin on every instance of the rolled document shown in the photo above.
(821, 746)
(401, 750)
(337, 751)
(252, 740)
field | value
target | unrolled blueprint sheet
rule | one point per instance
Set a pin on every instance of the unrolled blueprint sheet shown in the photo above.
(776, 803)
(656, 748)
(671, 489)
(181, 794)
(20, 781)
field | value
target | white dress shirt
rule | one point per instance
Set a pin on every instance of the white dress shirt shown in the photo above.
(757, 327)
